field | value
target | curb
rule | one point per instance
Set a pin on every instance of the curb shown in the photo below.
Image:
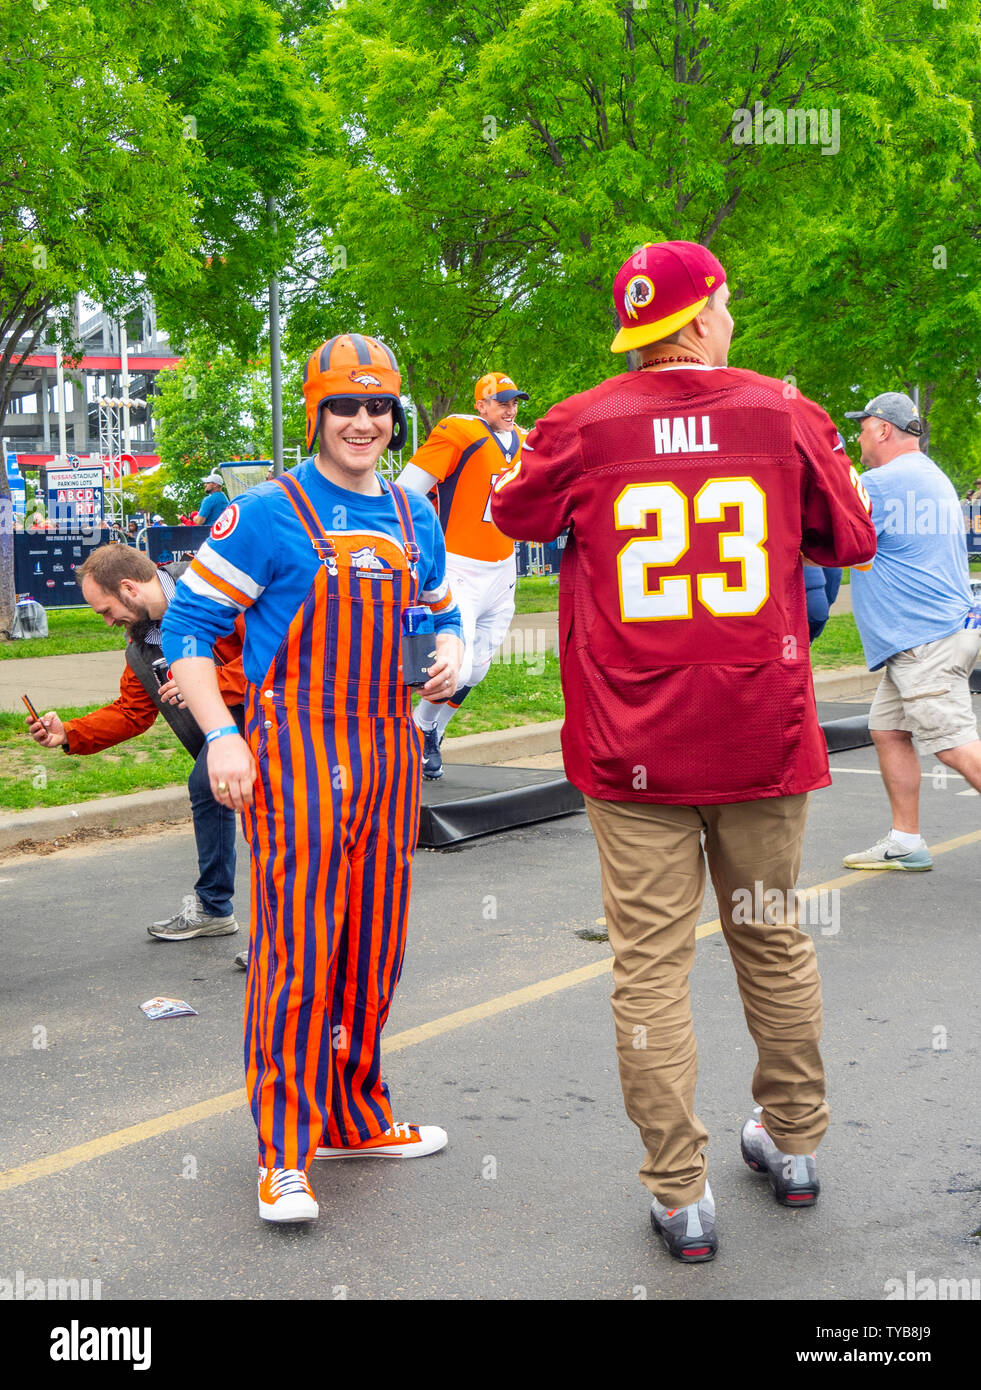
(51, 823)
(846, 682)
(170, 804)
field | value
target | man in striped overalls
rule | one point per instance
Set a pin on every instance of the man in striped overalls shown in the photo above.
(322, 562)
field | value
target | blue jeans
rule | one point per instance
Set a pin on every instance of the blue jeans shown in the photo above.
(214, 834)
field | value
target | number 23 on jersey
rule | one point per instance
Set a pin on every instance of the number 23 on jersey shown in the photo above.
(671, 597)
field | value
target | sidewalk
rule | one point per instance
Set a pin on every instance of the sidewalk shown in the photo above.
(52, 681)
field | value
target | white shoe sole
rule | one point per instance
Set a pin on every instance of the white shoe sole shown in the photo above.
(890, 864)
(431, 1140)
(289, 1209)
(225, 929)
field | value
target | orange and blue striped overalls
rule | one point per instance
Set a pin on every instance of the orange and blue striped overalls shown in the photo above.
(332, 828)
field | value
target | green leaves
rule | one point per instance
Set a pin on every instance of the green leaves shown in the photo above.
(490, 168)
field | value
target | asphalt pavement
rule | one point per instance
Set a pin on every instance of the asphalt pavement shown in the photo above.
(500, 1032)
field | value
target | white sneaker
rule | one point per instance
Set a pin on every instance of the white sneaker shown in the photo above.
(401, 1141)
(888, 853)
(285, 1194)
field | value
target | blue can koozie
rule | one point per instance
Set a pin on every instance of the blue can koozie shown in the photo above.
(418, 644)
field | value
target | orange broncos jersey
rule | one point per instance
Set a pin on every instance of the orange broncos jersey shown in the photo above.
(466, 457)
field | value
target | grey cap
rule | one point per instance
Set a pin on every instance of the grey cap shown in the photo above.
(214, 478)
(893, 406)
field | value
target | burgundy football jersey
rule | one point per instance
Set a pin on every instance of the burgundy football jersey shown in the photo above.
(690, 494)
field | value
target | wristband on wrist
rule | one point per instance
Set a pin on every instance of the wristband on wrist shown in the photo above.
(220, 733)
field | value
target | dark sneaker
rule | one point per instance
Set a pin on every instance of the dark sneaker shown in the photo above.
(432, 761)
(192, 920)
(890, 854)
(688, 1232)
(793, 1177)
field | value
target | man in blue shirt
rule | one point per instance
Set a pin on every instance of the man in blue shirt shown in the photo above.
(910, 605)
(215, 500)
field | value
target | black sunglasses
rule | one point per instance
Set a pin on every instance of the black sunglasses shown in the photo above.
(348, 406)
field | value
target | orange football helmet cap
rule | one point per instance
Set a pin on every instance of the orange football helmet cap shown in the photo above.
(353, 364)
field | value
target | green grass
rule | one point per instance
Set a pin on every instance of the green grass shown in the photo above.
(512, 693)
(838, 645)
(70, 630)
(32, 776)
(537, 595)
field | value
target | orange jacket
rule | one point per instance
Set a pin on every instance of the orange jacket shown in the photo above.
(133, 712)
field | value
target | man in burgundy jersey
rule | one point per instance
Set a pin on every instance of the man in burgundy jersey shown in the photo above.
(691, 490)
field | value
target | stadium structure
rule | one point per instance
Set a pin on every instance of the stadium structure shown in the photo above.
(54, 410)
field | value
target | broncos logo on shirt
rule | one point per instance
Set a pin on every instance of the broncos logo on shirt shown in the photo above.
(366, 559)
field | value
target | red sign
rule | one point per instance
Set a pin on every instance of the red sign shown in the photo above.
(122, 466)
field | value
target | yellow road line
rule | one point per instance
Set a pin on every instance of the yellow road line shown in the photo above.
(409, 1037)
(121, 1139)
(235, 1100)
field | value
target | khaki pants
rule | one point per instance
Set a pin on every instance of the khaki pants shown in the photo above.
(653, 885)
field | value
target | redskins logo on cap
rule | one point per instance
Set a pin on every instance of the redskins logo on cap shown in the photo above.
(638, 294)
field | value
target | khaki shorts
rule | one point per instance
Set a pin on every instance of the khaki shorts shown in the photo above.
(925, 691)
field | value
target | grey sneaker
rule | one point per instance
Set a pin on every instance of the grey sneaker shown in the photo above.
(688, 1232)
(793, 1177)
(192, 920)
(888, 853)
(242, 959)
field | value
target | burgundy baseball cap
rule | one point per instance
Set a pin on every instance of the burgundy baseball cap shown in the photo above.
(660, 288)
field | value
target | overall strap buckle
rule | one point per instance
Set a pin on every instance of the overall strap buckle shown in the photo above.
(327, 551)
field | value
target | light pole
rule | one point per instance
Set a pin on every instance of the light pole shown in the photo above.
(275, 372)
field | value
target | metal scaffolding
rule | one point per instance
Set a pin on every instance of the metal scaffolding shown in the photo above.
(113, 429)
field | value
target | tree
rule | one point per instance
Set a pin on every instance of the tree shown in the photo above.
(212, 408)
(490, 167)
(141, 140)
(92, 177)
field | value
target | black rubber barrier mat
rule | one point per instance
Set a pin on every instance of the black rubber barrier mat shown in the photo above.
(850, 732)
(469, 801)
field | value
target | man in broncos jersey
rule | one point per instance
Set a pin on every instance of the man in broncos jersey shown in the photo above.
(692, 489)
(459, 463)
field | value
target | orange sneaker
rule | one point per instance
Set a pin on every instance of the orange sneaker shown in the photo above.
(285, 1194)
(401, 1141)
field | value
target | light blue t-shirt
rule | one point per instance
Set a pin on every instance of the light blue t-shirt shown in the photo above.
(212, 507)
(917, 590)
